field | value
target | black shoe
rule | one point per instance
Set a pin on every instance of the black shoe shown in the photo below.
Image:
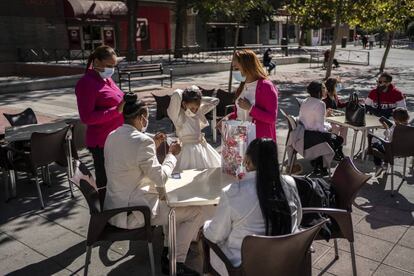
(339, 156)
(182, 269)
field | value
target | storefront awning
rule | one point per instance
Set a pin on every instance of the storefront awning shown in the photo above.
(82, 8)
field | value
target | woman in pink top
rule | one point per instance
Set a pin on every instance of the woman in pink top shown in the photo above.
(256, 97)
(100, 104)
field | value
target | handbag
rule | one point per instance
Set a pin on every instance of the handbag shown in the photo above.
(354, 111)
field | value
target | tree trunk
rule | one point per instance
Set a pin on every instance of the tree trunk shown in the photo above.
(335, 38)
(236, 39)
(302, 37)
(387, 50)
(132, 30)
(180, 19)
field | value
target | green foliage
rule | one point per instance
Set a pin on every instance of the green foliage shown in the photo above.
(387, 15)
(256, 11)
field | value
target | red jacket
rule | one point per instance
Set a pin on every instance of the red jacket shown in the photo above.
(264, 112)
(388, 100)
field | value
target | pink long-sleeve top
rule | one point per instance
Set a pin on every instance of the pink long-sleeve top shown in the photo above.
(264, 111)
(98, 100)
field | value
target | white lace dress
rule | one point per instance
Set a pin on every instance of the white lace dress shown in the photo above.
(196, 153)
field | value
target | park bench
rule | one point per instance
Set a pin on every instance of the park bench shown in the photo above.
(140, 72)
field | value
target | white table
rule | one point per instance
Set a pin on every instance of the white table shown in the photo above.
(195, 188)
(371, 122)
(23, 133)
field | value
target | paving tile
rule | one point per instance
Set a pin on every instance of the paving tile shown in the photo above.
(379, 229)
(391, 216)
(368, 247)
(18, 259)
(408, 238)
(343, 265)
(385, 270)
(320, 250)
(401, 257)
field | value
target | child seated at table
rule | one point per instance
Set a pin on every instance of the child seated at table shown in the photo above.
(187, 111)
(262, 203)
(401, 117)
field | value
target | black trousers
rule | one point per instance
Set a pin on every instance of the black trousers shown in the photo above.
(313, 138)
(99, 164)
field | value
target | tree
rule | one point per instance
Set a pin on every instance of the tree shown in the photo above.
(388, 15)
(180, 21)
(309, 15)
(316, 13)
(237, 12)
(132, 30)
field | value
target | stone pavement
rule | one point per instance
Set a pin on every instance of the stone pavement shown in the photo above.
(51, 241)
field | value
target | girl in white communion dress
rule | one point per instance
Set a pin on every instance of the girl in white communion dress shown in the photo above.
(187, 111)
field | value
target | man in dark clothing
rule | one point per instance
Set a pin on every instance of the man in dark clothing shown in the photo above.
(267, 60)
(383, 99)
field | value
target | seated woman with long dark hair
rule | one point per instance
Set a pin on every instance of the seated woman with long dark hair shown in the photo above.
(262, 203)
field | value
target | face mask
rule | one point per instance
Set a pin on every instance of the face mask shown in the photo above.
(338, 87)
(189, 113)
(107, 73)
(238, 76)
(144, 128)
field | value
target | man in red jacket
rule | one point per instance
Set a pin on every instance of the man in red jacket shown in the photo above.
(383, 99)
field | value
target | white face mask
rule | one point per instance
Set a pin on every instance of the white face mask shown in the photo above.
(107, 73)
(189, 113)
(238, 76)
(144, 128)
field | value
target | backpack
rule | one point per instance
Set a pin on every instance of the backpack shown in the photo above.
(316, 192)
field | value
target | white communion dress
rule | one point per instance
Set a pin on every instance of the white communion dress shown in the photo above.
(195, 153)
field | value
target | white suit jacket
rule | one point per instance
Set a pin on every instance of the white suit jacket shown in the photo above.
(238, 215)
(133, 172)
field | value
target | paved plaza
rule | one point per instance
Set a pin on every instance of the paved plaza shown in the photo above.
(52, 241)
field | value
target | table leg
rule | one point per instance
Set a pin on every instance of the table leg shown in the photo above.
(353, 143)
(213, 125)
(363, 141)
(171, 242)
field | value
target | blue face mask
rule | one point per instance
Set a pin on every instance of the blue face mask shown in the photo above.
(238, 76)
(107, 73)
(338, 87)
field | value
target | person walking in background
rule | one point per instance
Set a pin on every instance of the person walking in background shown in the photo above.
(384, 98)
(100, 103)
(256, 97)
(267, 60)
(364, 41)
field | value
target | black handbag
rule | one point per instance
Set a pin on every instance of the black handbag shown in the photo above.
(354, 111)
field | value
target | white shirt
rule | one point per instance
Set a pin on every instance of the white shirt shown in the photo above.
(133, 172)
(249, 92)
(312, 115)
(238, 215)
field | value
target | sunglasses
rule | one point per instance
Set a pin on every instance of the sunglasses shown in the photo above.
(381, 82)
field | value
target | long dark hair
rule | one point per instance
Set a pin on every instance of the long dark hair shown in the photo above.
(102, 52)
(272, 198)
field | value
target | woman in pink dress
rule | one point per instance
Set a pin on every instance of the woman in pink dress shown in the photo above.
(256, 97)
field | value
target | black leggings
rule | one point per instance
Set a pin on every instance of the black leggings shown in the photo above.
(99, 164)
(313, 138)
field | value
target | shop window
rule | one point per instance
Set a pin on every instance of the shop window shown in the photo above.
(272, 30)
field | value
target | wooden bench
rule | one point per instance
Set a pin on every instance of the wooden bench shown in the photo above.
(139, 72)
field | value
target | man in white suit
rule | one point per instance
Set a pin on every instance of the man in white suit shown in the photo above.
(135, 177)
